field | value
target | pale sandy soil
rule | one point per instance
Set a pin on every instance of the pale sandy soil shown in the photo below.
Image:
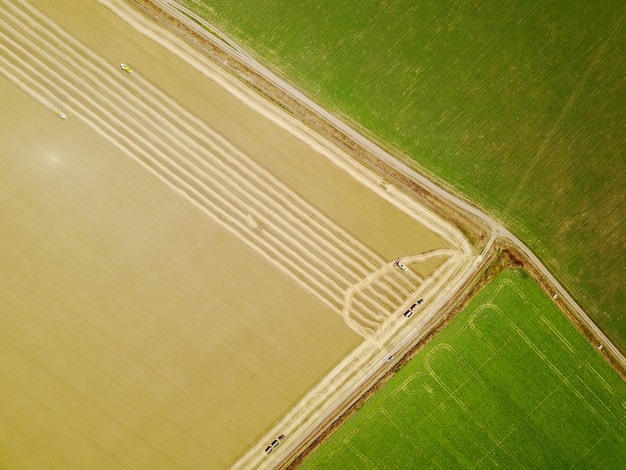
(187, 271)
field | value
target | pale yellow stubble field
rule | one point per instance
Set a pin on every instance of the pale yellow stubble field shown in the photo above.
(135, 330)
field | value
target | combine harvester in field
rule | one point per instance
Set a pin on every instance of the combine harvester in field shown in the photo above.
(124, 66)
(400, 264)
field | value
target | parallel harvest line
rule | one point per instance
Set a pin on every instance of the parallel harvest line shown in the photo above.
(217, 183)
(166, 112)
(334, 279)
(285, 195)
(206, 130)
(299, 263)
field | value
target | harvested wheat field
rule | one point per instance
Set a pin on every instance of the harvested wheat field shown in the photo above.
(187, 272)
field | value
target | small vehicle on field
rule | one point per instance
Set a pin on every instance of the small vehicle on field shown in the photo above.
(275, 443)
(400, 264)
(124, 67)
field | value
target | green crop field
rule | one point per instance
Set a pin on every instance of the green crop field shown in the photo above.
(518, 105)
(510, 382)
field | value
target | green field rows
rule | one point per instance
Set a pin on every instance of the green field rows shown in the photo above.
(518, 105)
(510, 383)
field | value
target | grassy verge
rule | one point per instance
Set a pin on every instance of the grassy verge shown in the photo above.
(509, 382)
(517, 105)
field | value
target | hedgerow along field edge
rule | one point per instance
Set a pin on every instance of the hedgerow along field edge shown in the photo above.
(516, 105)
(509, 382)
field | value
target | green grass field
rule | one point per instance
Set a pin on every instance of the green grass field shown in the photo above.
(518, 105)
(510, 383)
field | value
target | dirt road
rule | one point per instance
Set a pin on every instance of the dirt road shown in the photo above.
(497, 230)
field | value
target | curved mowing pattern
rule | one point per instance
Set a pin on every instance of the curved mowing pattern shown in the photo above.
(509, 383)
